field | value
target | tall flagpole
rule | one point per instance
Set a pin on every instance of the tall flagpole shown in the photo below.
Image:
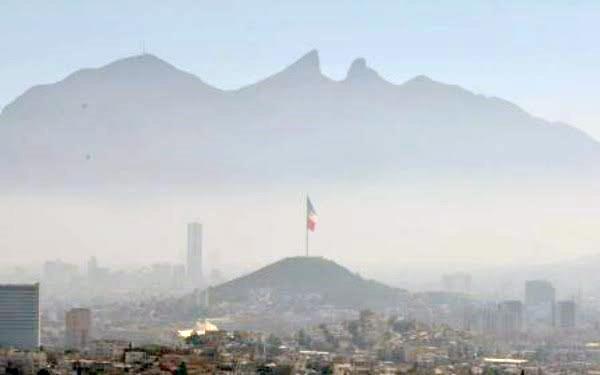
(306, 225)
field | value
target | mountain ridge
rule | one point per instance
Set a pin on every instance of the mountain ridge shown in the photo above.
(307, 64)
(296, 124)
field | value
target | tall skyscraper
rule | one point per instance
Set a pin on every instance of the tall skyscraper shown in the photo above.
(78, 327)
(538, 292)
(20, 316)
(510, 318)
(194, 255)
(566, 314)
(488, 319)
(540, 298)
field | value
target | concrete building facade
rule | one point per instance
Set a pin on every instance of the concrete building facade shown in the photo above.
(78, 328)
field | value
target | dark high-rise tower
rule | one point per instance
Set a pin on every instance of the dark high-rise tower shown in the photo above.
(194, 255)
(20, 316)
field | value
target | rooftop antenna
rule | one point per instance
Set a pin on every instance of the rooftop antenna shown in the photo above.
(143, 47)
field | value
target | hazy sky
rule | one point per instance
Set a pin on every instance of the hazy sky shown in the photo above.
(543, 55)
(368, 227)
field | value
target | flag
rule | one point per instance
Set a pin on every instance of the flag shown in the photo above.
(311, 215)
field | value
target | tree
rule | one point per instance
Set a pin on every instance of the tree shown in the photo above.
(365, 315)
(402, 326)
(353, 328)
(273, 343)
(303, 339)
(391, 320)
(329, 338)
(194, 340)
(182, 369)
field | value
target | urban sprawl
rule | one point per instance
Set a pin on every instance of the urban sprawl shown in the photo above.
(173, 319)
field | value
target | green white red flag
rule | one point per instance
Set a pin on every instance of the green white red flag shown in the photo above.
(311, 215)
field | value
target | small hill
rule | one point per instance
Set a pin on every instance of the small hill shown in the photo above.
(307, 280)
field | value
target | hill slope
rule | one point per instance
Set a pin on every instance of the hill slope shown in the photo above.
(306, 280)
(141, 121)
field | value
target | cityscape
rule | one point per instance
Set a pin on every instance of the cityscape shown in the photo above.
(341, 187)
(156, 318)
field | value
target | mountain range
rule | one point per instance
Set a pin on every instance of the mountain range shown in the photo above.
(142, 121)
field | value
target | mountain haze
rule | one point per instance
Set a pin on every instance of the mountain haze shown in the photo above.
(142, 121)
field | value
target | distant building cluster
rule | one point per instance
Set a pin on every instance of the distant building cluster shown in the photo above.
(373, 343)
(538, 312)
(46, 327)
